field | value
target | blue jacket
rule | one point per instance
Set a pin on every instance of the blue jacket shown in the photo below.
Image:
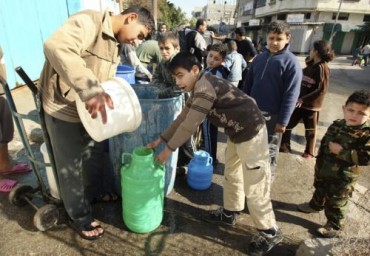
(236, 64)
(274, 81)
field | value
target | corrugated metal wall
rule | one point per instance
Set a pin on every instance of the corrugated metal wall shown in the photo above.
(26, 24)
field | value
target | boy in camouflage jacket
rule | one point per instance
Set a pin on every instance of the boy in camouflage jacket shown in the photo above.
(344, 147)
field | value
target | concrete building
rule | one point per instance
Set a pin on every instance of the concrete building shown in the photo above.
(339, 20)
(218, 14)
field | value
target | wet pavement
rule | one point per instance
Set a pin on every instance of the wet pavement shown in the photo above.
(182, 231)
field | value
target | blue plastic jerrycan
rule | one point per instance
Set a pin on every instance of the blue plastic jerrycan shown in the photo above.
(200, 171)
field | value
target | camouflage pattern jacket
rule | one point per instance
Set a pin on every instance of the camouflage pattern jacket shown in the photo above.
(356, 151)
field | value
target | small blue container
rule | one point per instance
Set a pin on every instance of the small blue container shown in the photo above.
(200, 171)
(126, 72)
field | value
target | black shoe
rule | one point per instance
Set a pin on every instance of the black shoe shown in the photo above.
(180, 171)
(220, 217)
(263, 243)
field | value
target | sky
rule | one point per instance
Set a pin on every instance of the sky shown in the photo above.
(187, 6)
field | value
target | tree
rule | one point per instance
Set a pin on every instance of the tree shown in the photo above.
(171, 16)
(167, 13)
(365, 29)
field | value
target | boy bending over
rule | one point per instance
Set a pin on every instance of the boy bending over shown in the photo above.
(247, 169)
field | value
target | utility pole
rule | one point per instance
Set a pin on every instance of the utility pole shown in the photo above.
(335, 23)
(155, 13)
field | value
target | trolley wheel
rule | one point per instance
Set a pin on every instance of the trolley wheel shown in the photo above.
(46, 217)
(17, 194)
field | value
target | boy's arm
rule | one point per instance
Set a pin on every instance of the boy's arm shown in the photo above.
(228, 62)
(248, 83)
(170, 131)
(244, 63)
(359, 156)
(322, 81)
(183, 127)
(136, 63)
(63, 51)
(292, 84)
(166, 88)
(157, 78)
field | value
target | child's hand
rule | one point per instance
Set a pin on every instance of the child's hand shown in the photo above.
(163, 157)
(299, 103)
(97, 104)
(335, 148)
(154, 143)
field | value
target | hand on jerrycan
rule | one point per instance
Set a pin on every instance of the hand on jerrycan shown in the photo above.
(163, 157)
(97, 104)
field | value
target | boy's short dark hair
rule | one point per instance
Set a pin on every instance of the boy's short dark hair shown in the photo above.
(232, 46)
(184, 60)
(360, 97)
(145, 17)
(279, 27)
(324, 50)
(240, 31)
(170, 36)
(199, 23)
(220, 48)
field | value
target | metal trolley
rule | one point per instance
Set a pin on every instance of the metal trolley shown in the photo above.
(47, 212)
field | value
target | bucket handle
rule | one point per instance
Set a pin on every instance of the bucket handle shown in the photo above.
(210, 160)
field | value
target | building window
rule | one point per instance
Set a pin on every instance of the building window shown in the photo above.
(281, 17)
(260, 3)
(366, 18)
(267, 20)
(307, 15)
(272, 2)
(341, 16)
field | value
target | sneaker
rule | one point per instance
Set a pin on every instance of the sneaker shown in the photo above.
(220, 217)
(285, 148)
(306, 208)
(328, 231)
(180, 171)
(263, 243)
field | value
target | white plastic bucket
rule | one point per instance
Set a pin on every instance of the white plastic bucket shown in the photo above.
(125, 117)
(49, 173)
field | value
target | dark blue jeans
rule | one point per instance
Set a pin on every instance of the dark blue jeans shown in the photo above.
(274, 140)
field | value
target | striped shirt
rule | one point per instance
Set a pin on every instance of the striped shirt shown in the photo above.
(223, 104)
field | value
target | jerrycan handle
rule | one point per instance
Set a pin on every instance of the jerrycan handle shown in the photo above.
(210, 160)
(125, 155)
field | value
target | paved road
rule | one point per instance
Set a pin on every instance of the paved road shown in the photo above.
(182, 231)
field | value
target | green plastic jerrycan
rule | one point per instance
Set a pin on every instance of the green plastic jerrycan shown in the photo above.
(142, 181)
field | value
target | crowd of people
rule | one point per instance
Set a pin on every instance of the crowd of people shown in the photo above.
(257, 98)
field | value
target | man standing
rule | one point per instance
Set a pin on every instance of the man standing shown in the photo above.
(366, 53)
(193, 40)
(246, 49)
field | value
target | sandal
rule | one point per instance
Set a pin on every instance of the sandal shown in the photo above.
(17, 169)
(85, 228)
(6, 185)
